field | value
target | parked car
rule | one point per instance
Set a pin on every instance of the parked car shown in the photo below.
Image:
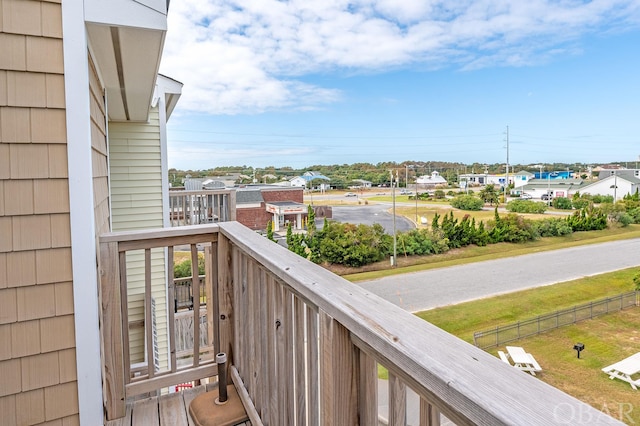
(525, 196)
(546, 197)
(350, 194)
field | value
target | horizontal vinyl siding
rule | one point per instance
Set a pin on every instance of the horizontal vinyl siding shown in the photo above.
(136, 203)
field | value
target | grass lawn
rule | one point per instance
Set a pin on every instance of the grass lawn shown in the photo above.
(608, 338)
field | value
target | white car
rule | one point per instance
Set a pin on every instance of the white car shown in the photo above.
(350, 194)
(525, 196)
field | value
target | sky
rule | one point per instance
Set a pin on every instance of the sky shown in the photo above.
(300, 83)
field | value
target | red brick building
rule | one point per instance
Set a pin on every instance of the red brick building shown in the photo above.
(251, 203)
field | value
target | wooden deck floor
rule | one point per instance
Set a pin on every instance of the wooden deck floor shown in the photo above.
(166, 410)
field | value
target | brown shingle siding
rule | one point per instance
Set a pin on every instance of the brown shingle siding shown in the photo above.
(53, 265)
(39, 371)
(22, 17)
(51, 196)
(61, 401)
(55, 90)
(35, 302)
(58, 161)
(25, 338)
(11, 373)
(5, 336)
(60, 230)
(5, 165)
(29, 161)
(30, 407)
(1, 198)
(51, 20)
(3, 88)
(22, 269)
(14, 52)
(64, 298)
(3, 270)
(67, 359)
(8, 409)
(44, 55)
(6, 236)
(18, 197)
(57, 333)
(31, 232)
(8, 309)
(20, 128)
(26, 89)
(48, 125)
(71, 421)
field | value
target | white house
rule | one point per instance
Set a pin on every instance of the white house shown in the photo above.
(433, 180)
(614, 185)
(521, 178)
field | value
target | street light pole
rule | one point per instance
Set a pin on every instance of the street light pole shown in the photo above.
(393, 197)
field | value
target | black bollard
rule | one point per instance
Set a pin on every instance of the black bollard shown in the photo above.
(221, 360)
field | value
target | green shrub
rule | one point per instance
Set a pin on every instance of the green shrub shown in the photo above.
(183, 269)
(581, 203)
(635, 214)
(562, 203)
(467, 202)
(526, 206)
(439, 194)
(552, 227)
(352, 245)
(588, 219)
(598, 199)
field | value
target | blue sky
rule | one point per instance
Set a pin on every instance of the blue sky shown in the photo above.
(295, 83)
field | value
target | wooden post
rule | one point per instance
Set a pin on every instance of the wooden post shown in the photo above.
(195, 292)
(429, 414)
(367, 389)
(338, 390)
(171, 298)
(225, 297)
(111, 325)
(397, 401)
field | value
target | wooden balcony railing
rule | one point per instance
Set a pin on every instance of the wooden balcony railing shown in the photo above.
(305, 344)
(198, 207)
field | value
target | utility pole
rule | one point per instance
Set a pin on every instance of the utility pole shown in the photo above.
(393, 198)
(506, 183)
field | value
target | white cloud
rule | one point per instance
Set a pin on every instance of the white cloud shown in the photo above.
(250, 56)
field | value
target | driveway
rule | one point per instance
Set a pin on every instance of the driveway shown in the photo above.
(420, 291)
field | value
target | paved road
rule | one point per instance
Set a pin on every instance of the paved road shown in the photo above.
(420, 291)
(368, 215)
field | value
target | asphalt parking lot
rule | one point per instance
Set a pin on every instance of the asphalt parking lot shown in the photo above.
(368, 215)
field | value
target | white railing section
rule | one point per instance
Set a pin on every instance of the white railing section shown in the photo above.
(200, 207)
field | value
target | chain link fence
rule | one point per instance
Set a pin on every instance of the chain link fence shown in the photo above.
(509, 333)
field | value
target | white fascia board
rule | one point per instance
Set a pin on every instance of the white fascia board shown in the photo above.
(83, 244)
(151, 14)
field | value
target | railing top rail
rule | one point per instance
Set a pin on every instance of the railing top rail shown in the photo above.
(467, 384)
(161, 237)
(177, 193)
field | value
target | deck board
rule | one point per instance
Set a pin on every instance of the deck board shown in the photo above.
(145, 412)
(189, 395)
(167, 410)
(172, 410)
